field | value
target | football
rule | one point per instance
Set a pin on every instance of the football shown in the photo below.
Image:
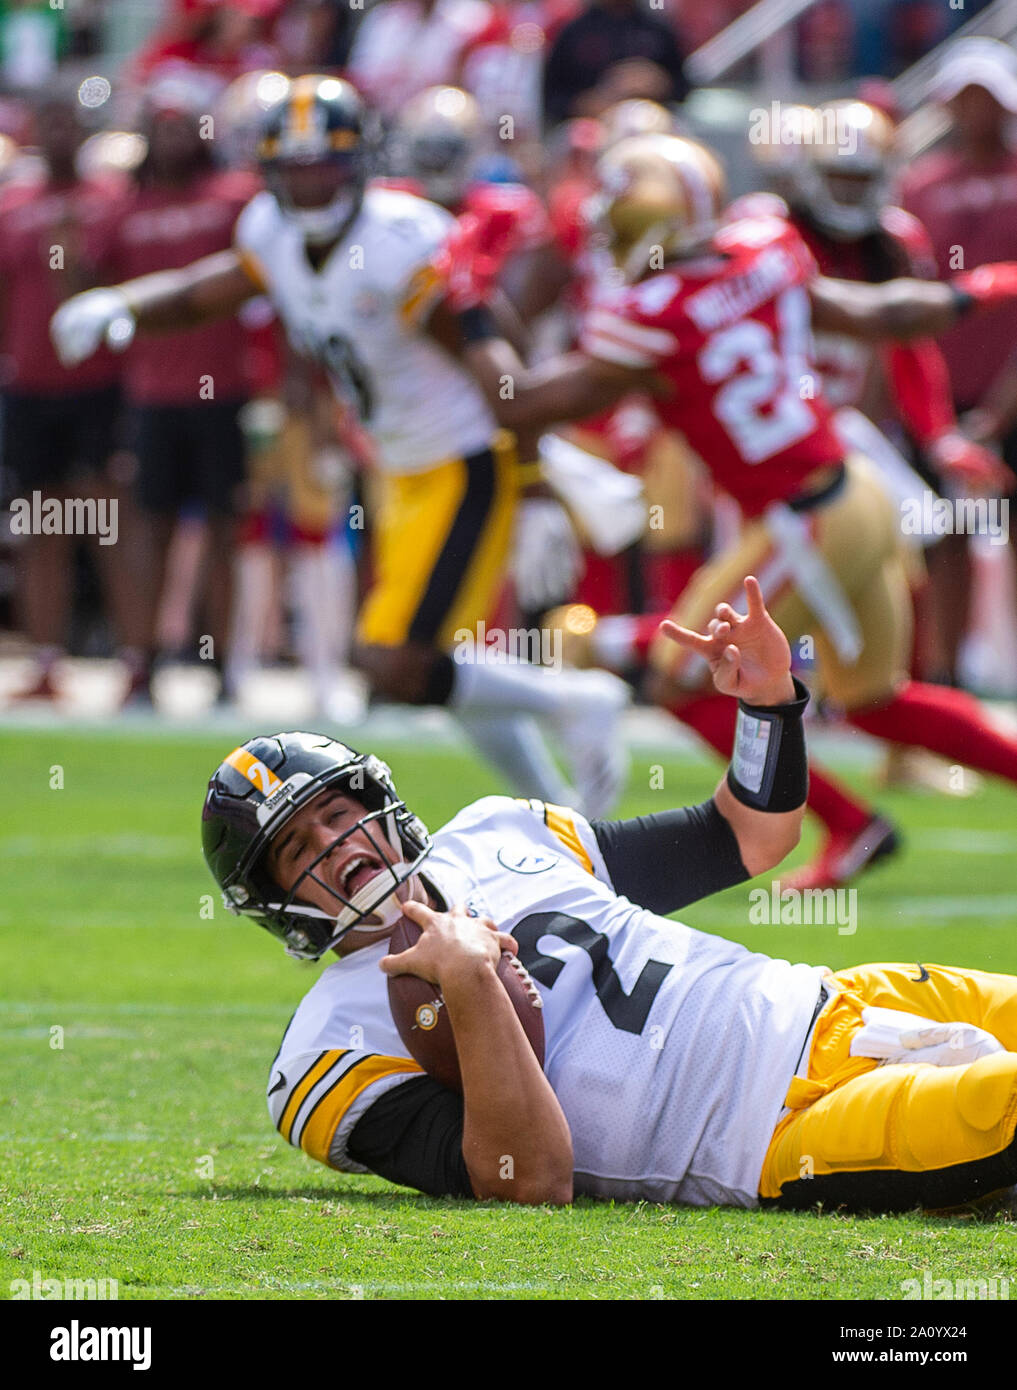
(423, 1023)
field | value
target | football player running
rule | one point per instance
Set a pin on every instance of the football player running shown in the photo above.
(353, 272)
(838, 196)
(720, 337)
(678, 1066)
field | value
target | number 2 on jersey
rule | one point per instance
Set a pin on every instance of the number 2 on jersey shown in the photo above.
(760, 406)
(628, 1012)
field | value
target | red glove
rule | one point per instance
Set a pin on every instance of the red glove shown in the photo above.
(472, 258)
(989, 284)
(970, 465)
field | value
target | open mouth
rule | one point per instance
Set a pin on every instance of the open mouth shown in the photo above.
(359, 872)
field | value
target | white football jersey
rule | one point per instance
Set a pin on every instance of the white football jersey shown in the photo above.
(670, 1050)
(359, 317)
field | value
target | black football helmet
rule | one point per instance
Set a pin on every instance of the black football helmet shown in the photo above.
(312, 152)
(258, 789)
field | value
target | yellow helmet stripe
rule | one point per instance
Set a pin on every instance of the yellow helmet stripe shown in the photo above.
(254, 770)
(301, 105)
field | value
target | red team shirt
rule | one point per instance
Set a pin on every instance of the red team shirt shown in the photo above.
(35, 218)
(971, 218)
(164, 229)
(731, 335)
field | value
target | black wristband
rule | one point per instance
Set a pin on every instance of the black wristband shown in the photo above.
(963, 301)
(477, 325)
(769, 766)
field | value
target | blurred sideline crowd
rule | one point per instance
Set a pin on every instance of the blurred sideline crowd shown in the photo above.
(244, 491)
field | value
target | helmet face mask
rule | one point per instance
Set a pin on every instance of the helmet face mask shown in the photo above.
(843, 179)
(371, 908)
(254, 796)
(846, 203)
(321, 197)
(312, 156)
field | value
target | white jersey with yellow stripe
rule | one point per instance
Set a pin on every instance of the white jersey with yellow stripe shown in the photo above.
(670, 1050)
(360, 316)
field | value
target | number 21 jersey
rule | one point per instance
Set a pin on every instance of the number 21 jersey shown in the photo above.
(730, 334)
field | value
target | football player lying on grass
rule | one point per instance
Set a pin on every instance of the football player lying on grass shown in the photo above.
(678, 1066)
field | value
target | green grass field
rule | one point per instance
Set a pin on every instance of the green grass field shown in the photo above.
(137, 1031)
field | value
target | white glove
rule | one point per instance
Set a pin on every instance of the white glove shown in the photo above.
(79, 327)
(547, 561)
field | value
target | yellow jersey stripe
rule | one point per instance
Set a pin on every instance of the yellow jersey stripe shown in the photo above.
(559, 819)
(424, 287)
(324, 1119)
(303, 1087)
(254, 770)
(252, 268)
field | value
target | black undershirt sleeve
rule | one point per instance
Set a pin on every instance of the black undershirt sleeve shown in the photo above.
(666, 861)
(413, 1135)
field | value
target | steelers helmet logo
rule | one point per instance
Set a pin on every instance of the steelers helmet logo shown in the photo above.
(427, 1016)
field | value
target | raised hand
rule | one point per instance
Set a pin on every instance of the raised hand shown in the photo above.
(749, 656)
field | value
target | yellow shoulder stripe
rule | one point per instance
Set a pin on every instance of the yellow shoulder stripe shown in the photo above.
(307, 1082)
(560, 820)
(423, 290)
(326, 1115)
(252, 268)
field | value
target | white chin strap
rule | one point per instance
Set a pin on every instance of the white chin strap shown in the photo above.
(388, 910)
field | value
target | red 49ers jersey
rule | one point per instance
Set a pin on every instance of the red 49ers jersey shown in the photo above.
(900, 246)
(731, 334)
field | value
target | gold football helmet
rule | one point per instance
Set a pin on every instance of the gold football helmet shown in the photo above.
(436, 140)
(636, 116)
(658, 192)
(845, 177)
(778, 142)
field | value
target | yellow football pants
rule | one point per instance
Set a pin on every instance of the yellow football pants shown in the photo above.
(891, 1137)
(441, 549)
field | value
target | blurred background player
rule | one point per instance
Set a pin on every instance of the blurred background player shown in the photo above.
(185, 390)
(720, 337)
(59, 424)
(377, 288)
(294, 554)
(838, 189)
(965, 194)
(443, 151)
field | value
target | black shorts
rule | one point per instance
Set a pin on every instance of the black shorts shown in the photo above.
(47, 440)
(187, 454)
(1009, 452)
